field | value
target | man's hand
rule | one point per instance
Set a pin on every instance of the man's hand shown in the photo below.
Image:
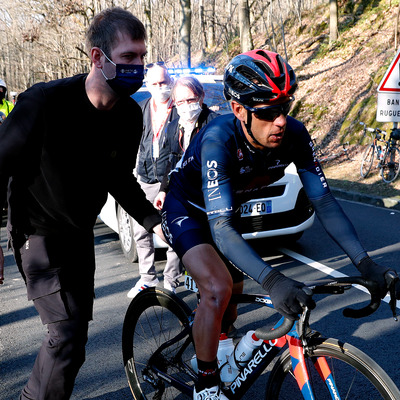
(287, 295)
(1, 266)
(372, 271)
(159, 200)
(158, 231)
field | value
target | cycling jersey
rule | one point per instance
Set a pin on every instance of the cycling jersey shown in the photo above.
(220, 170)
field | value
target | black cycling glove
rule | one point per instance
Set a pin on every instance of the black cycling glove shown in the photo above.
(372, 271)
(287, 295)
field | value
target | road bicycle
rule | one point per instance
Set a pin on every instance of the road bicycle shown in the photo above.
(157, 348)
(385, 152)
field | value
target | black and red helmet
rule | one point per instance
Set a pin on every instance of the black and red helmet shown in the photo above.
(258, 76)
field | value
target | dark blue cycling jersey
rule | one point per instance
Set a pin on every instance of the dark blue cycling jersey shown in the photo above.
(220, 170)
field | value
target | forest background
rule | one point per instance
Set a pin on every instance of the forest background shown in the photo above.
(338, 64)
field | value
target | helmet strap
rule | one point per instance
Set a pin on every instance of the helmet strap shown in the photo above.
(248, 128)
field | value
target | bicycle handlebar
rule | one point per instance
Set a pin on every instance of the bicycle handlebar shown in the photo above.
(377, 131)
(338, 286)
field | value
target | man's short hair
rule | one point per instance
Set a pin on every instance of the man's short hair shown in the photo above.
(106, 25)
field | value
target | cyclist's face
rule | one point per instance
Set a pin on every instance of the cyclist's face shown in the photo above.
(269, 134)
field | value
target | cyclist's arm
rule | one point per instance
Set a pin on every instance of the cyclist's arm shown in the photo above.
(219, 204)
(331, 214)
(286, 294)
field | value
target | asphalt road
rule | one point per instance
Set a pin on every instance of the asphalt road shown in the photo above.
(103, 378)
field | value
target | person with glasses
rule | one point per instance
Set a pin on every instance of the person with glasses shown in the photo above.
(227, 163)
(188, 95)
(158, 111)
(58, 172)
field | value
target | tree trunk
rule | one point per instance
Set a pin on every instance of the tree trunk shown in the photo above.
(184, 33)
(211, 26)
(246, 42)
(147, 13)
(333, 21)
(203, 35)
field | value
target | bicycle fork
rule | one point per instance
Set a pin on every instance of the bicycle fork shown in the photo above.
(301, 372)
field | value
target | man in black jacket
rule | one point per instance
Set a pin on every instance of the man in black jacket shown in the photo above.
(158, 111)
(58, 172)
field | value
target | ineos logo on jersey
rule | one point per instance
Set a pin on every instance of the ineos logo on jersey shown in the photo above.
(212, 184)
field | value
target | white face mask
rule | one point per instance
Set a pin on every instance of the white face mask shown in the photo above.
(189, 112)
(160, 93)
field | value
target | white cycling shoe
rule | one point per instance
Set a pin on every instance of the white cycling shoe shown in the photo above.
(213, 393)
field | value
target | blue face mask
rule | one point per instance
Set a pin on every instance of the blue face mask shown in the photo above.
(128, 78)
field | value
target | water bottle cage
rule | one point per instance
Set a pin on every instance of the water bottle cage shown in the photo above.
(240, 365)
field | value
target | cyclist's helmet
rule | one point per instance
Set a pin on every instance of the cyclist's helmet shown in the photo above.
(2, 83)
(2, 117)
(258, 76)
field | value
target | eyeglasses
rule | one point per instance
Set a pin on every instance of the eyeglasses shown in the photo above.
(188, 101)
(151, 65)
(271, 113)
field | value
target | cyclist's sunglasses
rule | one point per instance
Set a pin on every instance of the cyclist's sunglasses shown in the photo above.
(271, 113)
(159, 63)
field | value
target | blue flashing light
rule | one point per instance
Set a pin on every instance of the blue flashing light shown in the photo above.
(194, 71)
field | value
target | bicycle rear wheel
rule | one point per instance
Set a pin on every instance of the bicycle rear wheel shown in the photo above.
(391, 165)
(355, 374)
(367, 161)
(155, 316)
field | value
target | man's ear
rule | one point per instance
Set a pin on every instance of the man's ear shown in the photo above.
(95, 55)
(239, 111)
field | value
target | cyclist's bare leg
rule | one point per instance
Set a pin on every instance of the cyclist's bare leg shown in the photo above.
(215, 286)
(231, 314)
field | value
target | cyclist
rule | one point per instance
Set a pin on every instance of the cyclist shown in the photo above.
(5, 105)
(227, 163)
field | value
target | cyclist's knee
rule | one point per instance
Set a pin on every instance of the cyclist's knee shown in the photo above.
(216, 295)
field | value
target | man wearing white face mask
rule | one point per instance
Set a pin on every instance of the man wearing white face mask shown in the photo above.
(188, 95)
(158, 111)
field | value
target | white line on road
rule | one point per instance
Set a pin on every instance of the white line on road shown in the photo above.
(325, 269)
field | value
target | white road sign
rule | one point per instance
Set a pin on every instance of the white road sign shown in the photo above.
(388, 109)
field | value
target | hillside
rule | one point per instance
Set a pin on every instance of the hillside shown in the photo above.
(337, 85)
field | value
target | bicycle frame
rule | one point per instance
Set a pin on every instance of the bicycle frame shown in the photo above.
(257, 364)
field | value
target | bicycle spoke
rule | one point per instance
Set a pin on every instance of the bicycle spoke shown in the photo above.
(390, 167)
(349, 374)
(153, 322)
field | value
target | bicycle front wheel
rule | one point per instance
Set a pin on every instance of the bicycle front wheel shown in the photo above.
(367, 161)
(354, 375)
(391, 165)
(154, 317)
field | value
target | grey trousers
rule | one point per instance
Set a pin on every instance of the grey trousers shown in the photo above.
(145, 248)
(61, 284)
